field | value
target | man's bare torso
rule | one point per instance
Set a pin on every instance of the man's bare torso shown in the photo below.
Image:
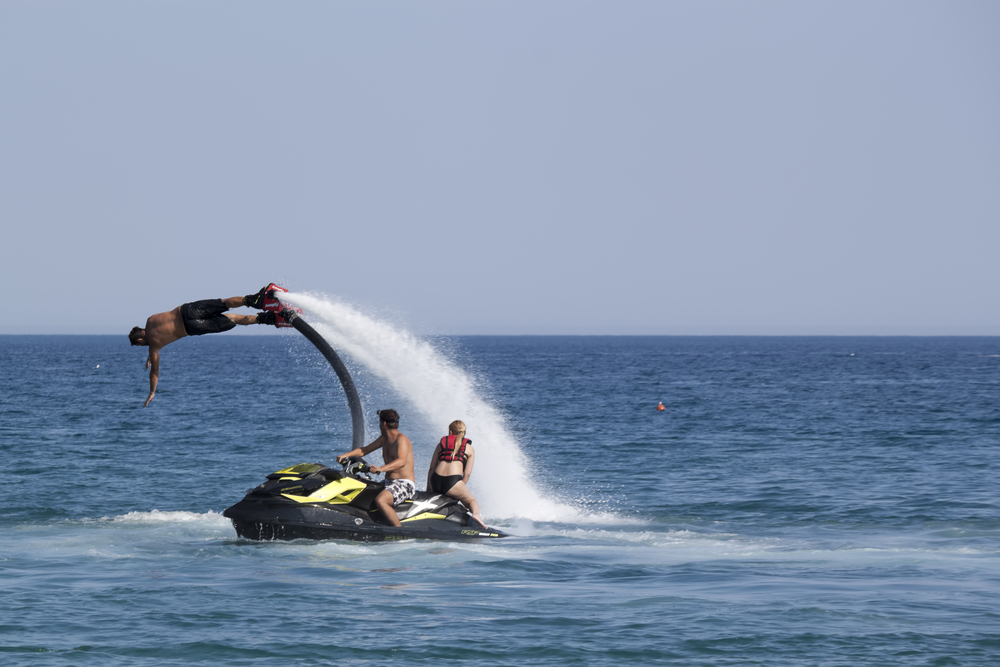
(164, 328)
(390, 452)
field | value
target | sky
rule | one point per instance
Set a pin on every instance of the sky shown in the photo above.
(514, 167)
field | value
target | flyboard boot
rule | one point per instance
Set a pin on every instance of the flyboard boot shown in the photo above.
(275, 312)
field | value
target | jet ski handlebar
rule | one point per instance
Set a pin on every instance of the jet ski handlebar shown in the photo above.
(353, 465)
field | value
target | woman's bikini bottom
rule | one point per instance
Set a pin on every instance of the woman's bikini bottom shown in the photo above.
(443, 483)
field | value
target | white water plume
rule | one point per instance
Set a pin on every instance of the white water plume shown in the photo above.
(441, 392)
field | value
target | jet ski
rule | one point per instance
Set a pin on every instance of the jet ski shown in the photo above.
(313, 501)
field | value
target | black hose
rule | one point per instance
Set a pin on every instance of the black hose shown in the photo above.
(353, 400)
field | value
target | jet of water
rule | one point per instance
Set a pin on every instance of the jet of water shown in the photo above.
(442, 392)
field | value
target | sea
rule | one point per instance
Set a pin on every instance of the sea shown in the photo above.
(799, 501)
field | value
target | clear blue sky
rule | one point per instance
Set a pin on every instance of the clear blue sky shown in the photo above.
(507, 167)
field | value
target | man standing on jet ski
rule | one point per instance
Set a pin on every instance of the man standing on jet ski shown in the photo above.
(397, 455)
(194, 319)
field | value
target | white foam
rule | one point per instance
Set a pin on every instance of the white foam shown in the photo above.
(121, 536)
(442, 392)
(157, 517)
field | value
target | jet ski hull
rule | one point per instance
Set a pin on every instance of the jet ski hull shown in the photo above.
(260, 520)
(310, 501)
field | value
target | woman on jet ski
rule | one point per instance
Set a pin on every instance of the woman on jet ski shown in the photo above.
(451, 467)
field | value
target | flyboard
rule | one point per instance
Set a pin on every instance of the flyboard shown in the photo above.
(312, 501)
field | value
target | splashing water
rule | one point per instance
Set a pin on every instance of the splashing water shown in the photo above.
(441, 392)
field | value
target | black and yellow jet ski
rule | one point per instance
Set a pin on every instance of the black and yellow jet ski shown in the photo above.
(313, 501)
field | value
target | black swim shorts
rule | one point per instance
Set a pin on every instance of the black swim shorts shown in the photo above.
(205, 317)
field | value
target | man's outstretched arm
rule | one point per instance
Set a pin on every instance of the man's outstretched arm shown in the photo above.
(153, 360)
(362, 451)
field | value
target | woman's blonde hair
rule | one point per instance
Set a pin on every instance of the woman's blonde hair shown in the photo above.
(456, 427)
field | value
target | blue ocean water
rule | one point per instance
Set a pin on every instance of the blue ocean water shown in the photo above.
(801, 501)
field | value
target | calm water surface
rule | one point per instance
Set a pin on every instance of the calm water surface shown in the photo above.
(802, 501)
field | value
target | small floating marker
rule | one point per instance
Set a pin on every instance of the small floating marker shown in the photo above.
(660, 407)
(97, 366)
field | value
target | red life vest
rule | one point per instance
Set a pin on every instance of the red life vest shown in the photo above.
(448, 452)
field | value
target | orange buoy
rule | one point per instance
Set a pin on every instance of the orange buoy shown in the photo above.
(661, 406)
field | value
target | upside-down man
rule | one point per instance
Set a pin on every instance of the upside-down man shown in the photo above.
(194, 319)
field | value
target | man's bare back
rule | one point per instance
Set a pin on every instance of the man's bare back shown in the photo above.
(164, 328)
(396, 449)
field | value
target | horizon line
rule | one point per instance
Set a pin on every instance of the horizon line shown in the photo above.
(565, 334)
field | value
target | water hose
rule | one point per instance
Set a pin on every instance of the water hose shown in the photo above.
(353, 399)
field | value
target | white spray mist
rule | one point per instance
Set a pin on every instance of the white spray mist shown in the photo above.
(441, 392)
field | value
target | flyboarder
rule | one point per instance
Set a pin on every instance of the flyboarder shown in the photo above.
(195, 319)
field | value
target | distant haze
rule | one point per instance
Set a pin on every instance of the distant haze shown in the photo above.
(506, 167)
